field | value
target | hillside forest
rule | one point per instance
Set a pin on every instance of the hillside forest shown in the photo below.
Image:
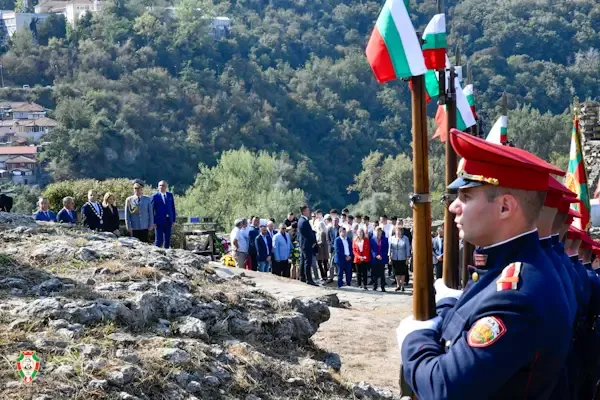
(141, 91)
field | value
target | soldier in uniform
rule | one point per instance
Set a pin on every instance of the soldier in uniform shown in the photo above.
(570, 281)
(507, 336)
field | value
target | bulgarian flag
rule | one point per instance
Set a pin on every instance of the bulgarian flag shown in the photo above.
(576, 179)
(468, 91)
(499, 131)
(394, 51)
(434, 46)
(464, 115)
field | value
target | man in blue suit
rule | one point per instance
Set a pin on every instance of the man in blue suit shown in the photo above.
(264, 249)
(67, 215)
(44, 214)
(308, 243)
(163, 203)
(343, 257)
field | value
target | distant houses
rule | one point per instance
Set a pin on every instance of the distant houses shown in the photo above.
(19, 164)
(23, 123)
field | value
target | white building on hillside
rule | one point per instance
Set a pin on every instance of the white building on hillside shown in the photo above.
(73, 10)
(11, 21)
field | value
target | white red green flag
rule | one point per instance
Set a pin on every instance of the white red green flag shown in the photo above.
(394, 50)
(576, 179)
(468, 91)
(499, 131)
(464, 115)
(434, 43)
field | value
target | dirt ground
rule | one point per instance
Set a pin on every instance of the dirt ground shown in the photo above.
(363, 335)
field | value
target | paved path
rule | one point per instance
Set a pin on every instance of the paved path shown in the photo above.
(363, 335)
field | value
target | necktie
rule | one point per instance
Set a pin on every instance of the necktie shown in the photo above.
(284, 237)
(164, 197)
(46, 214)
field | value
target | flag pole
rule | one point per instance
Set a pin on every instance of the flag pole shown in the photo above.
(468, 248)
(450, 257)
(420, 200)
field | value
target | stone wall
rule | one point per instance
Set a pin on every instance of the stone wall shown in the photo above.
(589, 122)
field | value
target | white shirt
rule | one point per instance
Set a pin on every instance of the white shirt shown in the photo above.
(346, 247)
(242, 238)
(360, 244)
(264, 238)
(387, 229)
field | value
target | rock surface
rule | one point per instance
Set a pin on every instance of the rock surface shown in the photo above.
(113, 318)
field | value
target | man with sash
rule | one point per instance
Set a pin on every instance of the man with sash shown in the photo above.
(91, 213)
(507, 336)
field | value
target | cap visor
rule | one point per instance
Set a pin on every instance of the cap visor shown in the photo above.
(462, 183)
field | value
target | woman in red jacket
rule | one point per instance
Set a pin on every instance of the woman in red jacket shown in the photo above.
(362, 257)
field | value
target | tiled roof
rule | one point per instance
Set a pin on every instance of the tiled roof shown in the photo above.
(17, 150)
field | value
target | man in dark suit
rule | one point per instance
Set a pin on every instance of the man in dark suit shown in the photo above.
(67, 215)
(163, 203)
(264, 249)
(44, 214)
(308, 242)
(343, 257)
(92, 214)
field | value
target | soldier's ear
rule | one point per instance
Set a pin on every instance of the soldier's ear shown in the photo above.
(508, 205)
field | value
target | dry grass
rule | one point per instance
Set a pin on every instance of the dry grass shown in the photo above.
(366, 343)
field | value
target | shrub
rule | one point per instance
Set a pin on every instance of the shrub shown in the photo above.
(78, 189)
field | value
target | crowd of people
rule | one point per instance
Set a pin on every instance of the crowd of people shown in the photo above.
(322, 249)
(142, 213)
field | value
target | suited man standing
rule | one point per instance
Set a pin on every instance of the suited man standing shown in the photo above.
(264, 249)
(67, 215)
(438, 252)
(308, 242)
(165, 215)
(343, 257)
(44, 214)
(92, 214)
(139, 215)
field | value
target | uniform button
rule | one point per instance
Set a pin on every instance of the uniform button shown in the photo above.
(448, 343)
(475, 276)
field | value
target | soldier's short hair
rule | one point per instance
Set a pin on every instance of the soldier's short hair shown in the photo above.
(531, 201)
(67, 200)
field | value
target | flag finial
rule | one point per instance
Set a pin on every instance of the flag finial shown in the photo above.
(457, 56)
(440, 6)
(575, 107)
(504, 104)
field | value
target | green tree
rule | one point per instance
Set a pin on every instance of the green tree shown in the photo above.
(240, 185)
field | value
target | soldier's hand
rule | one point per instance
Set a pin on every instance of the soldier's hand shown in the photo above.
(409, 325)
(442, 291)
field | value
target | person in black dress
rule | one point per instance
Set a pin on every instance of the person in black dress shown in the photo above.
(111, 214)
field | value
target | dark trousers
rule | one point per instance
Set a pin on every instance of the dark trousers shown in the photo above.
(323, 269)
(140, 234)
(253, 262)
(305, 268)
(378, 273)
(163, 234)
(438, 270)
(344, 268)
(281, 268)
(362, 274)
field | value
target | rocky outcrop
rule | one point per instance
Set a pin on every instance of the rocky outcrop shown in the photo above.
(113, 318)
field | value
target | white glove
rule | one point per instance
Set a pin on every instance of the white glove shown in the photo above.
(409, 324)
(442, 291)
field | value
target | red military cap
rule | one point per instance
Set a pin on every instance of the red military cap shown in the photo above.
(493, 164)
(574, 233)
(565, 206)
(586, 241)
(556, 191)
